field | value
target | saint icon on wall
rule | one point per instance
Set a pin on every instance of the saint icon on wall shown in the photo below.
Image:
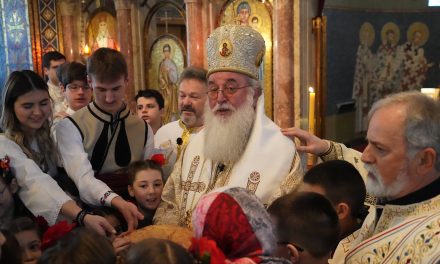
(101, 32)
(415, 64)
(392, 68)
(257, 15)
(363, 75)
(166, 64)
(243, 13)
(168, 77)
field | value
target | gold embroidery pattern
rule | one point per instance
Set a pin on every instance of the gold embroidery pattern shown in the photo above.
(186, 135)
(186, 221)
(392, 212)
(370, 199)
(193, 186)
(253, 181)
(294, 177)
(346, 242)
(291, 181)
(377, 255)
(331, 153)
(221, 178)
(420, 247)
(425, 244)
(339, 152)
(191, 173)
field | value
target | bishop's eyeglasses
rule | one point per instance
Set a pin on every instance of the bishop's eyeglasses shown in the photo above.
(228, 90)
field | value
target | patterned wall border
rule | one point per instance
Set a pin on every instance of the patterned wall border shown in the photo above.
(16, 37)
(48, 25)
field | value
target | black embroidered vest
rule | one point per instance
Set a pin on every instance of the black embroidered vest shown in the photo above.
(111, 143)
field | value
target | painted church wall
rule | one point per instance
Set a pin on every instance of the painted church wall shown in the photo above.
(417, 66)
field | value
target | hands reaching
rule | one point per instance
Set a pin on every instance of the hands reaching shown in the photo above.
(309, 142)
(129, 211)
(99, 224)
(121, 244)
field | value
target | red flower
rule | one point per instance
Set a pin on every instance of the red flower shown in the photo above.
(4, 163)
(56, 232)
(5, 168)
(159, 159)
(206, 251)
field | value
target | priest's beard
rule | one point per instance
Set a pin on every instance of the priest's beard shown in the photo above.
(226, 138)
(376, 187)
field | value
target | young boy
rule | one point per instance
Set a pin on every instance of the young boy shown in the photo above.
(307, 227)
(149, 105)
(99, 141)
(340, 182)
(51, 61)
(74, 86)
(146, 186)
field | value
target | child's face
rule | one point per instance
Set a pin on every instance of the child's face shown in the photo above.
(147, 188)
(30, 245)
(148, 110)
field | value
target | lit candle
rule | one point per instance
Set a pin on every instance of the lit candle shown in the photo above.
(311, 110)
(431, 92)
(86, 49)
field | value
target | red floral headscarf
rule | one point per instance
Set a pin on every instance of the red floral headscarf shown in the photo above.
(237, 222)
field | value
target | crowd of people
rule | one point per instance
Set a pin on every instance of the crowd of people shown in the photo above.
(80, 173)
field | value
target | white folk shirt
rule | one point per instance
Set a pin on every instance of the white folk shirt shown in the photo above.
(75, 161)
(38, 191)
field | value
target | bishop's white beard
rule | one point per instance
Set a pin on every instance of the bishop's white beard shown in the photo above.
(376, 187)
(226, 138)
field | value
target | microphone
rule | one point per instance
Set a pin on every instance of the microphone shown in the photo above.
(179, 141)
(221, 167)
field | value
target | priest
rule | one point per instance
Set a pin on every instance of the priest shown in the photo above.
(401, 166)
(173, 137)
(239, 146)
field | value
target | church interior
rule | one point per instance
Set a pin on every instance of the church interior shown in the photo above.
(309, 45)
(241, 172)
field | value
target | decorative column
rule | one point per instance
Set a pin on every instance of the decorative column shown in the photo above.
(283, 48)
(194, 34)
(123, 17)
(318, 30)
(70, 39)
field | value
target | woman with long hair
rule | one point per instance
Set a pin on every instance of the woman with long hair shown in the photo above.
(25, 120)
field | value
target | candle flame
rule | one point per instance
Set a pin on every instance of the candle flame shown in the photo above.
(311, 90)
(86, 49)
(431, 92)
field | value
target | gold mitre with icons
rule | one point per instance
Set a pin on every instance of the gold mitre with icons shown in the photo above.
(235, 48)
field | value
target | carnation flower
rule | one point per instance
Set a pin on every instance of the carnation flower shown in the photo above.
(159, 159)
(205, 251)
(55, 233)
(5, 168)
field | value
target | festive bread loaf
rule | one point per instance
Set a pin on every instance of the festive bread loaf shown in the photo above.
(179, 235)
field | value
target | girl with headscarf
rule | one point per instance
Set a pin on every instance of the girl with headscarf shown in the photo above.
(232, 226)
